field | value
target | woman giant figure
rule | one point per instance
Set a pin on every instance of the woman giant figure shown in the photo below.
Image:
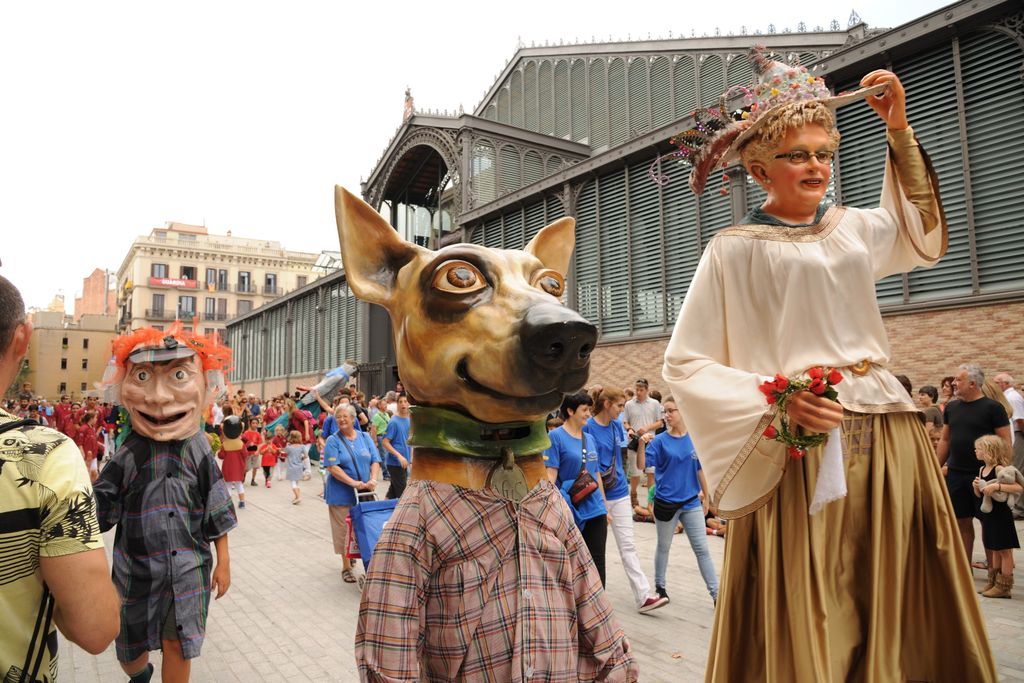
(872, 586)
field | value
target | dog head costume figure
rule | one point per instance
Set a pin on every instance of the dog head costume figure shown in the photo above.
(485, 347)
(165, 379)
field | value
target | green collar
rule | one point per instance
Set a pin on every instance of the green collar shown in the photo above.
(451, 431)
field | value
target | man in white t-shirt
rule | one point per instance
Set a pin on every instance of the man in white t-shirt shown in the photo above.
(1016, 401)
(643, 415)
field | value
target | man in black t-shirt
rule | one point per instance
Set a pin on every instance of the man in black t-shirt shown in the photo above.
(969, 416)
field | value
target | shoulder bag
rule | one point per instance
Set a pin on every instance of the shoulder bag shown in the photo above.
(585, 483)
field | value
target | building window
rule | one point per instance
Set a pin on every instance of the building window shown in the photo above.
(210, 310)
(244, 306)
(208, 331)
(186, 306)
(64, 343)
(158, 306)
(211, 279)
(63, 389)
(160, 235)
(159, 270)
(187, 328)
(244, 281)
(84, 386)
(188, 272)
(222, 280)
(85, 363)
(63, 363)
(158, 327)
(301, 281)
(85, 343)
(270, 283)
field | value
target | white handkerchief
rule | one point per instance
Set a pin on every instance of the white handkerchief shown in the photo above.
(831, 484)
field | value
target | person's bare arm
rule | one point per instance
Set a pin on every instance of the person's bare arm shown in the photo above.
(222, 572)
(87, 608)
(391, 449)
(942, 450)
(1004, 434)
(552, 474)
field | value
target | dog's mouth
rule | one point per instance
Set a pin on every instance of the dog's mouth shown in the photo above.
(462, 371)
(163, 421)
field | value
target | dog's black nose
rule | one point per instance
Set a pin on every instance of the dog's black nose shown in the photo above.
(557, 338)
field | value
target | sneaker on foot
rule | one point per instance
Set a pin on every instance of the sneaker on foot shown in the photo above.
(252, 483)
(662, 593)
(652, 603)
(241, 503)
(268, 483)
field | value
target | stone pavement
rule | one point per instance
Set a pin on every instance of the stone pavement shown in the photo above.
(288, 616)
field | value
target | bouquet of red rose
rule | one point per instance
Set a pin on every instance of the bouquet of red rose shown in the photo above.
(820, 382)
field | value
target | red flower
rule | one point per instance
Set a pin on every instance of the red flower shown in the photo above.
(834, 376)
(768, 388)
(781, 382)
(770, 432)
(818, 386)
(795, 452)
(770, 398)
(816, 373)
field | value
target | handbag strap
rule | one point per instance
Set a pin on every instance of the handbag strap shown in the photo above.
(583, 449)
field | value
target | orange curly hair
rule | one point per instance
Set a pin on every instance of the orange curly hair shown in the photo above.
(212, 353)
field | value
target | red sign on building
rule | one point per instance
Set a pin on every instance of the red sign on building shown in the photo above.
(172, 282)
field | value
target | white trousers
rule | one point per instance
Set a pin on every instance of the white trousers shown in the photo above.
(621, 511)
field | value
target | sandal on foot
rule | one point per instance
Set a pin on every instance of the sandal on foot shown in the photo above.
(347, 576)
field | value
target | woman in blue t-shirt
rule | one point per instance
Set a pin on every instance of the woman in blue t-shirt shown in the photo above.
(604, 435)
(569, 450)
(680, 481)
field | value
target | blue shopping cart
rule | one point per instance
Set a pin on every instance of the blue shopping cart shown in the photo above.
(368, 520)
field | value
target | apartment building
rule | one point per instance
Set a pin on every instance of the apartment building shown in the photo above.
(67, 356)
(181, 272)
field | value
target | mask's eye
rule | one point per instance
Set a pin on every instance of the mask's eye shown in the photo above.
(551, 281)
(141, 375)
(180, 374)
(458, 277)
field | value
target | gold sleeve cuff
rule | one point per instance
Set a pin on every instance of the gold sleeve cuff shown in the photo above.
(915, 176)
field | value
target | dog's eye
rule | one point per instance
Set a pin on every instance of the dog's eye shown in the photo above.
(551, 281)
(458, 277)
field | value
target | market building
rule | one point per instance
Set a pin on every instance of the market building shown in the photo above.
(67, 356)
(578, 130)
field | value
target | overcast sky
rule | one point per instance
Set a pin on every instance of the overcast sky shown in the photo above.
(120, 116)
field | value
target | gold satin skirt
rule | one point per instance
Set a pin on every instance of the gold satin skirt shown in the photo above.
(875, 587)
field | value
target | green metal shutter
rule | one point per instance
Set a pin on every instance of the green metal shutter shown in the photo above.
(587, 240)
(512, 229)
(598, 105)
(333, 328)
(530, 96)
(554, 164)
(578, 104)
(755, 194)
(353, 327)
(298, 356)
(275, 339)
(562, 99)
(993, 102)
(682, 248)
(553, 209)
(533, 167)
(545, 90)
(614, 270)
(929, 80)
(645, 250)
(617, 101)
(808, 59)
(685, 84)
(639, 97)
(740, 72)
(715, 212)
(516, 90)
(510, 174)
(491, 112)
(504, 115)
(484, 158)
(661, 92)
(535, 220)
(491, 235)
(712, 80)
(861, 163)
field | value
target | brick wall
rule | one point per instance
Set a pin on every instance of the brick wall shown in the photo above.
(925, 346)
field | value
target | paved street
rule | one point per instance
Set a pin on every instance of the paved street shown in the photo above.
(288, 616)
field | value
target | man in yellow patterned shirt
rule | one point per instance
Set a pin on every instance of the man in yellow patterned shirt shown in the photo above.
(53, 570)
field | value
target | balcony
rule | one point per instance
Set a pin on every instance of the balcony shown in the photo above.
(245, 288)
(168, 314)
(272, 290)
(221, 317)
(173, 282)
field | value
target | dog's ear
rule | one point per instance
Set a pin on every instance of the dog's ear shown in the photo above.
(371, 250)
(553, 245)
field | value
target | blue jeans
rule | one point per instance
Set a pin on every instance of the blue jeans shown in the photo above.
(693, 523)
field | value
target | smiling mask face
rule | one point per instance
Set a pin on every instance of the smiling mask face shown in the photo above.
(165, 399)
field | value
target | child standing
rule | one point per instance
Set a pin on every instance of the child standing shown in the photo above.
(270, 451)
(997, 530)
(232, 452)
(253, 439)
(296, 462)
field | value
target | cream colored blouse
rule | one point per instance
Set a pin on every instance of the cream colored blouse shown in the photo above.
(770, 299)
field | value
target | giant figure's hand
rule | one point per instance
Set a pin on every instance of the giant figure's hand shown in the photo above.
(891, 104)
(813, 413)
